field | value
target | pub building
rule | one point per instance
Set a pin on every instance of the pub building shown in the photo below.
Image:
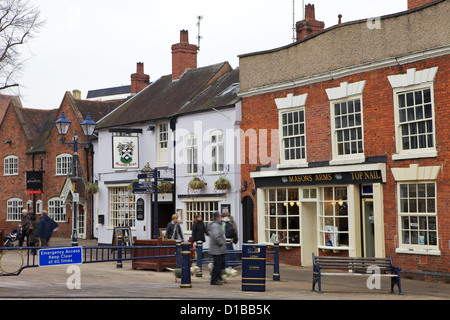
(351, 140)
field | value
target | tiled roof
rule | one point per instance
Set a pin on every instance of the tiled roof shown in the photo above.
(196, 90)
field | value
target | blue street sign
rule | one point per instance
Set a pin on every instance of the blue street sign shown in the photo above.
(60, 256)
(149, 175)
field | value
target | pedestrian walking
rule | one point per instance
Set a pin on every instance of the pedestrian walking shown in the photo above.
(24, 226)
(45, 228)
(198, 229)
(217, 247)
(173, 230)
(33, 239)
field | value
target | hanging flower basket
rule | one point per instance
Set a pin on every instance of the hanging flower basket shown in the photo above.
(196, 184)
(222, 184)
(91, 188)
(164, 186)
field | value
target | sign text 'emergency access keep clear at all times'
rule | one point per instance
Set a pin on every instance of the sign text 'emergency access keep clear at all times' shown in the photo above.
(60, 256)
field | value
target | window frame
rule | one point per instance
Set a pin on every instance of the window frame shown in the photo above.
(11, 169)
(352, 157)
(10, 207)
(418, 152)
(57, 213)
(191, 149)
(302, 160)
(118, 213)
(63, 164)
(163, 138)
(195, 207)
(272, 232)
(417, 248)
(217, 159)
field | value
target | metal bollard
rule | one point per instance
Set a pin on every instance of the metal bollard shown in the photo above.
(178, 253)
(276, 261)
(185, 265)
(199, 258)
(119, 252)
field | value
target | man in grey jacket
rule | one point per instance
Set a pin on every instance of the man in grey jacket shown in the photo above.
(217, 247)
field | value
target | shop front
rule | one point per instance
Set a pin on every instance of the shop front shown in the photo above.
(337, 210)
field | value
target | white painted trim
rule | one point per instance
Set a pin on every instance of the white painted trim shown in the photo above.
(318, 170)
(413, 77)
(416, 173)
(346, 90)
(291, 101)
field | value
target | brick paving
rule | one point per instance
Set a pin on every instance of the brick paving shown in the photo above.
(106, 281)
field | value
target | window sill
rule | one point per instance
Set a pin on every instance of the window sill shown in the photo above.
(294, 164)
(352, 160)
(431, 252)
(404, 155)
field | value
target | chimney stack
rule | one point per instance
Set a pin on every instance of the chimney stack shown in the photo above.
(184, 55)
(139, 80)
(76, 94)
(417, 3)
(310, 25)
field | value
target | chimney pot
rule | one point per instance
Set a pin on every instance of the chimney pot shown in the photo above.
(339, 18)
(76, 94)
(139, 80)
(310, 25)
(184, 55)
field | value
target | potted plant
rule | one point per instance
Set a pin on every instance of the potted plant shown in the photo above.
(164, 186)
(196, 183)
(91, 188)
(222, 184)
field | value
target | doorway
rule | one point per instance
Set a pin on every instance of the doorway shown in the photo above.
(368, 228)
(308, 232)
(81, 221)
(247, 219)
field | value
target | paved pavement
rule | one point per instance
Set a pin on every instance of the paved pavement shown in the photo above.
(105, 281)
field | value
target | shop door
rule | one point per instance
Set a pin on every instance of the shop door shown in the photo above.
(308, 232)
(81, 221)
(368, 228)
(247, 219)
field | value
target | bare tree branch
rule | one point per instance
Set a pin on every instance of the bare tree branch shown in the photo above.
(19, 22)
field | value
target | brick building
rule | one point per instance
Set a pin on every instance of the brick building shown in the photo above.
(345, 141)
(31, 143)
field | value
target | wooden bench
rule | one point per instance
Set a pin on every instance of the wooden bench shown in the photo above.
(349, 266)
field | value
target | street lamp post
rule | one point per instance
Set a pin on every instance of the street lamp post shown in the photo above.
(88, 126)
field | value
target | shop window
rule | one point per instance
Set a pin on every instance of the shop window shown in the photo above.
(418, 215)
(282, 216)
(333, 226)
(203, 208)
(121, 207)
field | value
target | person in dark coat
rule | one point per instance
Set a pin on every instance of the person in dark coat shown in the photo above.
(25, 225)
(45, 228)
(198, 229)
(33, 239)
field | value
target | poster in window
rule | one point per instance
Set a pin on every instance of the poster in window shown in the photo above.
(125, 153)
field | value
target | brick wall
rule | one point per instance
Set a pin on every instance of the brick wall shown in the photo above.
(260, 112)
(417, 3)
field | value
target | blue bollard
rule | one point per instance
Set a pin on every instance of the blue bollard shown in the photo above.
(178, 253)
(185, 265)
(119, 252)
(276, 261)
(199, 258)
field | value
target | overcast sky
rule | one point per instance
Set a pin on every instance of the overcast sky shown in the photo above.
(88, 44)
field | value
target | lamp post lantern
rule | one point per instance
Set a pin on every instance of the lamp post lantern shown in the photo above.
(88, 126)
